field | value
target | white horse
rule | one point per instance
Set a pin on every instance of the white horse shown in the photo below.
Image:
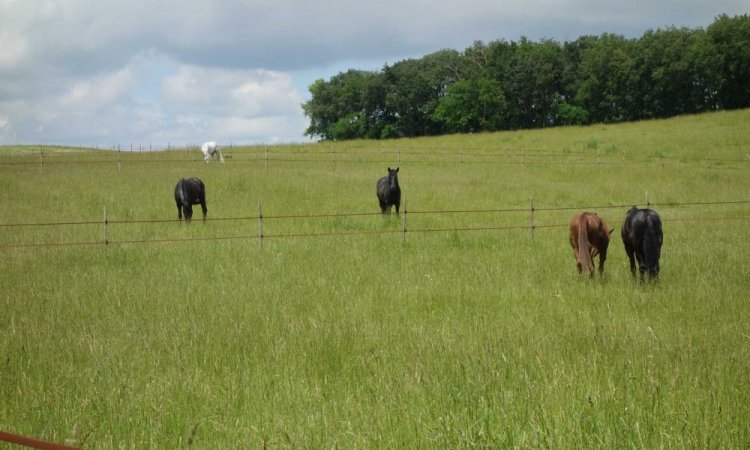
(210, 149)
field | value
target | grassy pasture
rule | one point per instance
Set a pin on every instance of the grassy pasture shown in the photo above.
(451, 339)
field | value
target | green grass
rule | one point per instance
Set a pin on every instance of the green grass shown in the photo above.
(451, 339)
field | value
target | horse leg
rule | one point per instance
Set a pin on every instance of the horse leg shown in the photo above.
(655, 273)
(574, 244)
(179, 212)
(221, 158)
(652, 271)
(641, 263)
(631, 257)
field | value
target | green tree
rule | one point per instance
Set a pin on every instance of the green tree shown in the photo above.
(350, 105)
(568, 114)
(509, 85)
(667, 72)
(532, 82)
(414, 90)
(731, 38)
(608, 86)
(476, 104)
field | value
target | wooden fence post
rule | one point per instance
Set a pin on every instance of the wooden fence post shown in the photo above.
(403, 224)
(106, 228)
(531, 207)
(260, 225)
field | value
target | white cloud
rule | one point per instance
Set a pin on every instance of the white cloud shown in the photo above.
(155, 100)
(102, 91)
(91, 71)
(235, 103)
(213, 87)
(273, 127)
(13, 49)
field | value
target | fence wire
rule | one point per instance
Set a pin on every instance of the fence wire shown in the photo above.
(587, 156)
(403, 231)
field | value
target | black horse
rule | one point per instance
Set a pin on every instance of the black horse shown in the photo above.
(389, 192)
(188, 193)
(642, 236)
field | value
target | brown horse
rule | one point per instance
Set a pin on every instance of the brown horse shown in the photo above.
(589, 236)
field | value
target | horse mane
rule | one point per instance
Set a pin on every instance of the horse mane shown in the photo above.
(583, 243)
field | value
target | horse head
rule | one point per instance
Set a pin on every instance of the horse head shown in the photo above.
(393, 178)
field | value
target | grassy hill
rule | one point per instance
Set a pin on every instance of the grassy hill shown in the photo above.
(470, 330)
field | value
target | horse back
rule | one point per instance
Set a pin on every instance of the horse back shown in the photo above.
(196, 190)
(190, 191)
(598, 232)
(640, 224)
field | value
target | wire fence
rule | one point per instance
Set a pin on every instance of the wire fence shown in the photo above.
(30, 442)
(386, 155)
(530, 215)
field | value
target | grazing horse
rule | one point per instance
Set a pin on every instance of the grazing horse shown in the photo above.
(188, 193)
(210, 149)
(589, 236)
(389, 192)
(642, 236)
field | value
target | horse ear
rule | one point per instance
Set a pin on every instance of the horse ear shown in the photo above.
(397, 169)
(389, 168)
(610, 231)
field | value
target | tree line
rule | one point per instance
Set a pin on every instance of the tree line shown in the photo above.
(516, 85)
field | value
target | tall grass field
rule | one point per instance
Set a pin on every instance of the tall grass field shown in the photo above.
(461, 324)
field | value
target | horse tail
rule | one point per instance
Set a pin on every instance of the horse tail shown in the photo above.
(584, 246)
(181, 192)
(651, 242)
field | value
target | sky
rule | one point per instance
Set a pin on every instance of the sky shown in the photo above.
(180, 72)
